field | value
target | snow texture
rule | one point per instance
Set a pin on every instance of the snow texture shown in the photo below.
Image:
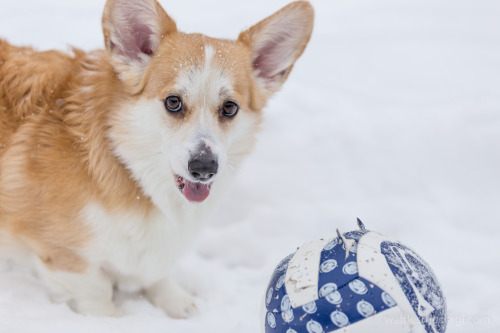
(391, 115)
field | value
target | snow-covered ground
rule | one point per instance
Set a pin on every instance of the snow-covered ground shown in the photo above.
(392, 115)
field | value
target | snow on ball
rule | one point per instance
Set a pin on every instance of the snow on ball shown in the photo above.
(359, 281)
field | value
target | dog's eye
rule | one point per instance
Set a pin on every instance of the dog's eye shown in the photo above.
(173, 103)
(229, 109)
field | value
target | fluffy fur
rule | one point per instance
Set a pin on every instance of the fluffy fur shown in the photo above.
(91, 162)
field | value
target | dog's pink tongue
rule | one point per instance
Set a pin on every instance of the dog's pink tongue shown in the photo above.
(196, 192)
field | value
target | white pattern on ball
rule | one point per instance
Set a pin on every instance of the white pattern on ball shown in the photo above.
(328, 266)
(287, 316)
(269, 295)
(334, 298)
(339, 318)
(286, 309)
(310, 307)
(388, 300)
(285, 303)
(327, 289)
(314, 327)
(350, 268)
(358, 287)
(280, 282)
(271, 320)
(365, 309)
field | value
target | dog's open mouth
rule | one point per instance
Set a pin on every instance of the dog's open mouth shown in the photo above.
(193, 191)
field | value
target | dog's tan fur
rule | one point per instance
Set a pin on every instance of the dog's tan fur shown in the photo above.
(54, 158)
(56, 110)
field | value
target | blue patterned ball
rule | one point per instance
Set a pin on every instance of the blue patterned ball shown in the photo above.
(360, 281)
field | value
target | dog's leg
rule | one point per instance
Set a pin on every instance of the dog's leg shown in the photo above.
(168, 295)
(90, 292)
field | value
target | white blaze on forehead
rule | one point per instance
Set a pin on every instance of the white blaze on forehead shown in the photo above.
(206, 85)
(209, 53)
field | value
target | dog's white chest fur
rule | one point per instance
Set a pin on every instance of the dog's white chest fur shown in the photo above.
(136, 250)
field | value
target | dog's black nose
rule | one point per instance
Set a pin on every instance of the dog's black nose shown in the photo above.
(203, 164)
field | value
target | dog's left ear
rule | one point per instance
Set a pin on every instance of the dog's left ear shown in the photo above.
(277, 42)
(133, 31)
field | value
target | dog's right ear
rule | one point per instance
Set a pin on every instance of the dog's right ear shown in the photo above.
(133, 30)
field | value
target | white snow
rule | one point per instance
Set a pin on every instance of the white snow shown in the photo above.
(392, 115)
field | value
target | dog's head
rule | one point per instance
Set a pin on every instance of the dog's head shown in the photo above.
(193, 103)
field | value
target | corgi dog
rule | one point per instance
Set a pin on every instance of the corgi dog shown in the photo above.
(110, 160)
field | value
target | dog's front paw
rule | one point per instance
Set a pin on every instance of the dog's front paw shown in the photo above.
(172, 298)
(181, 305)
